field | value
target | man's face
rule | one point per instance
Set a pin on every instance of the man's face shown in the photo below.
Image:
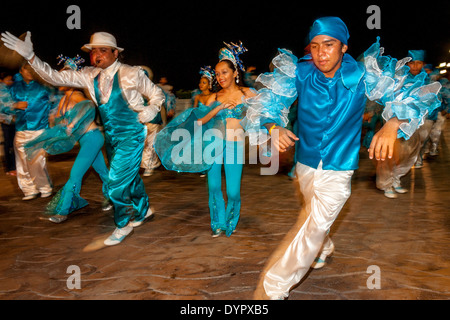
(103, 57)
(327, 53)
(26, 73)
(415, 67)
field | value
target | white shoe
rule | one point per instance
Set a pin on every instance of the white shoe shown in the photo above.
(216, 233)
(390, 193)
(280, 297)
(46, 194)
(107, 206)
(400, 189)
(118, 235)
(57, 218)
(434, 150)
(30, 197)
(136, 223)
(148, 172)
(321, 260)
(418, 165)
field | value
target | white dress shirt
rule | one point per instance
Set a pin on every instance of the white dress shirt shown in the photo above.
(133, 82)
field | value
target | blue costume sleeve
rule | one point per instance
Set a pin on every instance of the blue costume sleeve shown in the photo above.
(272, 102)
(387, 83)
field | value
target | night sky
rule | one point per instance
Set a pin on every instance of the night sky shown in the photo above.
(175, 39)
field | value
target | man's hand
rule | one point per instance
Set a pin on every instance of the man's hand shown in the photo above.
(283, 139)
(24, 48)
(383, 142)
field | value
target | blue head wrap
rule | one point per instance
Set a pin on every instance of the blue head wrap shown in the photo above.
(330, 26)
(417, 55)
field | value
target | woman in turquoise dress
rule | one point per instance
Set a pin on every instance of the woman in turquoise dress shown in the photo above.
(205, 86)
(221, 141)
(73, 122)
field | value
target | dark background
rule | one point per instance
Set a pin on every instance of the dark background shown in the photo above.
(176, 38)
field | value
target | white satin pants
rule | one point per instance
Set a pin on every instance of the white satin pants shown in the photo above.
(325, 193)
(150, 158)
(32, 175)
(406, 152)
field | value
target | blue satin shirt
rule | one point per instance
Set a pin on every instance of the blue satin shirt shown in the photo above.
(35, 117)
(330, 115)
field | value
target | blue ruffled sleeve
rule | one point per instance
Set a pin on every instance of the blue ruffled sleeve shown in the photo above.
(406, 98)
(58, 139)
(272, 102)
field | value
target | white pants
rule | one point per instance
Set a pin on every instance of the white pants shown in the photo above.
(325, 193)
(32, 175)
(406, 152)
(150, 158)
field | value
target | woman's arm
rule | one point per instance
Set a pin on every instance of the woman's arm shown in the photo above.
(196, 100)
(215, 111)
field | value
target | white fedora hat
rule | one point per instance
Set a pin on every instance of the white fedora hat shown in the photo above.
(101, 39)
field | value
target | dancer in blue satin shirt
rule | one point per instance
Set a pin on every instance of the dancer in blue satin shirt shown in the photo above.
(32, 109)
(118, 90)
(331, 88)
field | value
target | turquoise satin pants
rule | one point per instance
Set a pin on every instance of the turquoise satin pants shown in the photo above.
(126, 188)
(68, 198)
(226, 218)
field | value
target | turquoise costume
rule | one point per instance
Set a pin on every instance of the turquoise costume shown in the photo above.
(32, 176)
(57, 140)
(328, 136)
(35, 117)
(125, 137)
(329, 130)
(227, 218)
(215, 151)
(177, 147)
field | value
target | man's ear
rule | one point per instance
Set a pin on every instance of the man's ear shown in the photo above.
(344, 48)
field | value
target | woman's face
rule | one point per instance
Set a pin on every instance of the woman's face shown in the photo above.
(204, 84)
(225, 76)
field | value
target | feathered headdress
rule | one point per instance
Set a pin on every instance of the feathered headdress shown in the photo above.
(208, 73)
(72, 63)
(232, 53)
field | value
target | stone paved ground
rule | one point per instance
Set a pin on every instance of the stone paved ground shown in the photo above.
(173, 257)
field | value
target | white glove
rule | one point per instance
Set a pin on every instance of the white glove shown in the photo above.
(147, 115)
(24, 48)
